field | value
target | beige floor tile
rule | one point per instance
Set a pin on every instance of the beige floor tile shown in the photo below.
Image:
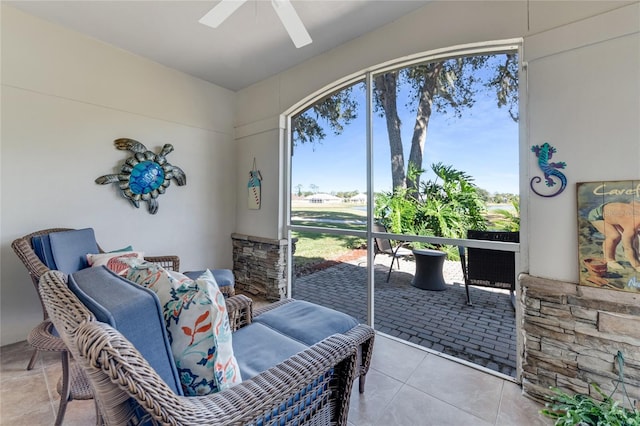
(80, 413)
(25, 400)
(38, 415)
(18, 369)
(396, 359)
(53, 373)
(380, 390)
(14, 351)
(516, 409)
(15, 359)
(411, 407)
(467, 388)
(29, 388)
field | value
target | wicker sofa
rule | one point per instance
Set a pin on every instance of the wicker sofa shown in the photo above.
(312, 385)
(262, 339)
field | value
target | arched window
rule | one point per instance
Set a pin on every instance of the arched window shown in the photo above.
(421, 151)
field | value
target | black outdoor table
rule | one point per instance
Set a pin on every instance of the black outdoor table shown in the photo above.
(429, 270)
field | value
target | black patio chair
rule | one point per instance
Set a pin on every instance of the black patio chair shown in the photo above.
(489, 268)
(383, 245)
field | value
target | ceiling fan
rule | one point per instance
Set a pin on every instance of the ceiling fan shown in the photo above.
(284, 9)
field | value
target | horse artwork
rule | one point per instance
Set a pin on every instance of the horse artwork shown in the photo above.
(609, 234)
(254, 188)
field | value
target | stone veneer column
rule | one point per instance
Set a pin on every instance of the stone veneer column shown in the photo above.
(572, 334)
(259, 266)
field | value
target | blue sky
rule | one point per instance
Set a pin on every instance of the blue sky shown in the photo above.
(483, 143)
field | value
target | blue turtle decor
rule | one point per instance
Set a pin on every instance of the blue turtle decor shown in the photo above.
(145, 175)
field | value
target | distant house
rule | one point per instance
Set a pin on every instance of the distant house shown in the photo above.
(323, 198)
(359, 198)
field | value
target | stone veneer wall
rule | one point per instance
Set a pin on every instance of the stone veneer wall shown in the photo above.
(572, 334)
(259, 266)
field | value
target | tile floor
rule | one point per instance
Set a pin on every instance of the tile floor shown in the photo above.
(484, 334)
(405, 386)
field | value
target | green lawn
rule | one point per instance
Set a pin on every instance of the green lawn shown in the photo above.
(314, 247)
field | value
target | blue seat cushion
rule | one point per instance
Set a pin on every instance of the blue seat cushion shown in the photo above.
(70, 249)
(306, 322)
(132, 310)
(224, 277)
(258, 348)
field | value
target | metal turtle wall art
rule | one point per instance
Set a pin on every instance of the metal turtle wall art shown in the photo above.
(145, 175)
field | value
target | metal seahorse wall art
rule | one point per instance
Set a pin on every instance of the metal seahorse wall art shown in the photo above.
(552, 174)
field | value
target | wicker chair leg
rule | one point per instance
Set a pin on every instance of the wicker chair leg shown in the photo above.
(64, 394)
(466, 286)
(34, 358)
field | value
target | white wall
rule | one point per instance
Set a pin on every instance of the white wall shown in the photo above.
(65, 98)
(583, 98)
(255, 143)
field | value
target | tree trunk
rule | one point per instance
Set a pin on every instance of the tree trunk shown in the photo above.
(385, 86)
(423, 113)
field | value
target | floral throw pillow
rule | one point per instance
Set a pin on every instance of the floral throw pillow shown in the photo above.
(113, 261)
(197, 326)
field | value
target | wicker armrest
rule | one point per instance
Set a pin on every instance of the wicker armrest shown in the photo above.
(323, 373)
(256, 401)
(240, 311)
(171, 262)
(271, 306)
(364, 337)
(22, 247)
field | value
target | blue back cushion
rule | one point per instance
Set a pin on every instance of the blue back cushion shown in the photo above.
(134, 311)
(306, 322)
(42, 248)
(70, 249)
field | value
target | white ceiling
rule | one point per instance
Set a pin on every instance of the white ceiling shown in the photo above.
(248, 47)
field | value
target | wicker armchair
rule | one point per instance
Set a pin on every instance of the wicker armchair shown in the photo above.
(73, 384)
(310, 387)
(23, 247)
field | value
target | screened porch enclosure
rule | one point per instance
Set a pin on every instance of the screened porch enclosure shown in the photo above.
(408, 152)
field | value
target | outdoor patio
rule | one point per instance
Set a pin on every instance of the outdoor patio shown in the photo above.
(483, 334)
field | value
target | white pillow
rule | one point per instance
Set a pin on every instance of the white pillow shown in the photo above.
(197, 324)
(113, 260)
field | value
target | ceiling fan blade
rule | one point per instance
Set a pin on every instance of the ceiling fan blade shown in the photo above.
(220, 12)
(292, 22)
